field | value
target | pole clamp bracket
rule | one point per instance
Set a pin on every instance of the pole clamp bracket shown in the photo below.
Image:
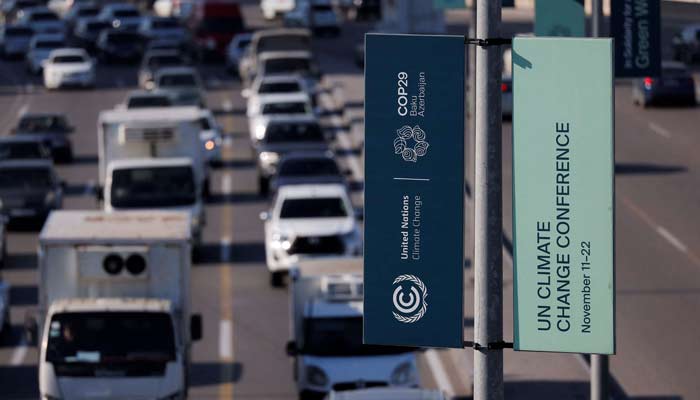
(491, 346)
(488, 42)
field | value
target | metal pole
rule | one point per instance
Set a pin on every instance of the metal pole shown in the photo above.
(599, 363)
(488, 268)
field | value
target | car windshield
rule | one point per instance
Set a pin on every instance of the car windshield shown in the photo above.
(43, 16)
(126, 13)
(18, 32)
(283, 43)
(148, 101)
(25, 178)
(88, 12)
(95, 27)
(48, 44)
(124, 38)
(204, 123)
(321, 207)
(68, 59)
(282, 133)
(165, 24)
(320, 8)
(296, 107)
(42, 124)
(279, 87)
(341, 337)
(177, 80)
(163, 60)
(221, 25)
(21, 150)
(287, 65)
(153, 187)
(111, 338)
(309, 167)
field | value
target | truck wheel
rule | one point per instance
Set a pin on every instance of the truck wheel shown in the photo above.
(276, 279)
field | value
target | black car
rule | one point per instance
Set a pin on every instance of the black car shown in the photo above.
(29, 189)
(306, 167)
(49, 128)
(284, 136)
(87, 31)
(23, 148)
(674, 86)
(119, 45)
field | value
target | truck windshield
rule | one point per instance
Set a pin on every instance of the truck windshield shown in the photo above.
(80, 342)
(153, 187)
(328, 207)
(341, 337)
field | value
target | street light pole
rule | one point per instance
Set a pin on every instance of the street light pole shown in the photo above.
(488, 266)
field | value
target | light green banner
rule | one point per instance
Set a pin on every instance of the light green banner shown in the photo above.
(560, 18)
(563, 189)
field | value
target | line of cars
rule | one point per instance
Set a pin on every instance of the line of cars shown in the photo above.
(313, 239)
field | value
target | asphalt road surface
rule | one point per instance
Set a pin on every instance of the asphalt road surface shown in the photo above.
(246, 322)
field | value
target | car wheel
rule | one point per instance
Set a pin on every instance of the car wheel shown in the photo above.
(263, 185)
(276, 279)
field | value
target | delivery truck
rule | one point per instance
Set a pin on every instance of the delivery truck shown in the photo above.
(115, 319)
(326, 333)
(153, 158)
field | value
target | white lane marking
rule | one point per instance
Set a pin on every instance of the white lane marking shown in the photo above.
(227, 105)
(22, 110)
(225, 339)
(439, 373)
(225, 249)
(675, 242)
(659, 130)
(19, 354)
(227, 184)
(412, 179)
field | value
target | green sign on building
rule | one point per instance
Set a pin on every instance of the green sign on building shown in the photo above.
(560, 18)
(563, 195)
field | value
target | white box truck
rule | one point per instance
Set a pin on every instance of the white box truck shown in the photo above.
(115, 318)
(152, 158)
(326, 333)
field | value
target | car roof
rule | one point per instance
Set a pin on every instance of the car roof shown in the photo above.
(150, 162)
(284, 97)
(39, 114)
(148, 93)
(275, 55)
(32, 163)
(176, 71)
(308, 191)
(281, 32)
(161, 52)
(280, 78)
(306, 155)
(69, 51)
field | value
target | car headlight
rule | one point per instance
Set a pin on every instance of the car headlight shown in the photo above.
(403, 374)
(281, 241)
(210, 145)
(316, 376)
(269, 157)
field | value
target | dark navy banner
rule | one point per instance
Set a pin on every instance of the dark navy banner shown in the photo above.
(636, 27)
(414, 190)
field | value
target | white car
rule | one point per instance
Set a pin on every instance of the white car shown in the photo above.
(211, 137)
(263, 87)
(69, 66)
(307, 221)
(236, 49)
(295, 105)
(317, 15)
(40, 47)
(387, 393)
(147, 99)
(271, 40)
(272, 8)
(298, 63)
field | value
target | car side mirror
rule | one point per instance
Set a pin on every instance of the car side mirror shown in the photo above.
(291, 348)
(264, 216)
(196, 327)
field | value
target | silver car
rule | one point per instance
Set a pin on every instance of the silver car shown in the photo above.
(183, 82)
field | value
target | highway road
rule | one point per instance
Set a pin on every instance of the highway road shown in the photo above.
(246, 322)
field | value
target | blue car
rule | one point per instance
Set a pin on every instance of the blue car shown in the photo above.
(674, 86)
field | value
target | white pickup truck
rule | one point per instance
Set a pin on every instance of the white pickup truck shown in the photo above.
(153, 158)
(326, 333)
(114, 301)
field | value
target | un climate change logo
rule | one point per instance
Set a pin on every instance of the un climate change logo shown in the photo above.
(410, 143)
(410, 304)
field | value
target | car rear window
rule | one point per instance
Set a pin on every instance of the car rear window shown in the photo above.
(126, 13)
(279, 87)
(44, 16)
(161, 61)
(18, 32)
(123, 38)
(68, 59)
(282, 133)
(177, 80)
(48, 44)
(284, 108)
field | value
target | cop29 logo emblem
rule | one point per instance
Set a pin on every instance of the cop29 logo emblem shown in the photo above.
(409, 299)
(410, 143)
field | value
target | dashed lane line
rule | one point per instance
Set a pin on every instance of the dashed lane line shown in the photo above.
(659, 130)
(675, 242)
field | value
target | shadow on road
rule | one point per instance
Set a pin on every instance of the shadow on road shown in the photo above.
(24, 295)
(238, 253)
(647, 168)
(204, 374)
